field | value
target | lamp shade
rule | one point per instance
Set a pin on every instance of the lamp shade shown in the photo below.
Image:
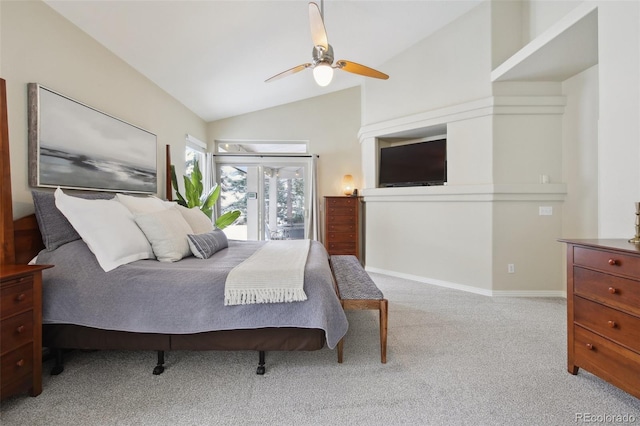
(323, 74)
(347, 184)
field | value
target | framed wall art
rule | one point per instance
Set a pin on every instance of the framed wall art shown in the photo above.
(73, 145)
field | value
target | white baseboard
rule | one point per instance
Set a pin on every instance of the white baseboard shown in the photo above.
(468, 288)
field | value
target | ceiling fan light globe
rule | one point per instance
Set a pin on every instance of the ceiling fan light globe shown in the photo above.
(323, 74)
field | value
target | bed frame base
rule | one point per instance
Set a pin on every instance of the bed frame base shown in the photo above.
(260, 370)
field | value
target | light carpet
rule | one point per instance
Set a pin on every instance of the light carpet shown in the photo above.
(454, 358)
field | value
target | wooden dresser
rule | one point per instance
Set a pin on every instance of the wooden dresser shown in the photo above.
(21, 329)
(342, 225)
(603, 310)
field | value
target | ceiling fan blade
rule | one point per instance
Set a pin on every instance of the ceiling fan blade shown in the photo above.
(318, 32)
(360, 69)
(288, 72)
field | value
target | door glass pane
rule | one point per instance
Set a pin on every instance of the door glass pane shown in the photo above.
(271, 199)
(233, 197)
(284, 202)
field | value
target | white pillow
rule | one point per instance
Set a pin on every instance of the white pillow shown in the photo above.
(139, 205)
(108, 229)
(167, 232)
(199, 222)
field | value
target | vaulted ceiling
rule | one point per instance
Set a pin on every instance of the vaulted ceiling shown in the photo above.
(214, 56)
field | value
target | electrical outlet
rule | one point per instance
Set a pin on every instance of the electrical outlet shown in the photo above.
(545, 211)
(511, 268)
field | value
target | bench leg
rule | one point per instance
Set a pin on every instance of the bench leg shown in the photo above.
(384, 306)
(340, 349)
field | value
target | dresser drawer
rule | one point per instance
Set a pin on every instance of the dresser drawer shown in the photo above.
(342, 220)
(342, 202)
(342, 227)
(341, 248)
(341, 211)
(16, 295)
(614, 291)
(341, 237)
(17, 364)
(617, 263)
(610, 323)
(615, 364)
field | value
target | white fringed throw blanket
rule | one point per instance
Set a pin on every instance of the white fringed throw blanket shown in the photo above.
(273, 274)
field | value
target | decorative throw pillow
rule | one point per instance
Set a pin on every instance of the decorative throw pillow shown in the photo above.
(108, 229)
(140, 205)
(167, 232)
(205, 245)
(54, 226)
(199, 222)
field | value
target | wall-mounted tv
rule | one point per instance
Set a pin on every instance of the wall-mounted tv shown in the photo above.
(416, 164)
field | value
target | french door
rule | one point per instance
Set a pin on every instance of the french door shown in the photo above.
(271, 192)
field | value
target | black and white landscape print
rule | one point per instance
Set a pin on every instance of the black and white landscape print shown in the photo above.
(80, 147)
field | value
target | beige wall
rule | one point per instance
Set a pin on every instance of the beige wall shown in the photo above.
(330, 123)
(38, 45)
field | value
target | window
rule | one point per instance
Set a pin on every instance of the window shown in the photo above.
(194, 150)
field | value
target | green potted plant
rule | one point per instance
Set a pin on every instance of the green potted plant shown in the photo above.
(194, 196)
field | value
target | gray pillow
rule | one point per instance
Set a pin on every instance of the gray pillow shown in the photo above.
(205, 245)
(54, 226)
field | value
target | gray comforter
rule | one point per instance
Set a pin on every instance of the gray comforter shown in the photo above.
(184, 297)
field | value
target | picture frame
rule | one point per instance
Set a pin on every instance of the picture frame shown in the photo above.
(73, 145)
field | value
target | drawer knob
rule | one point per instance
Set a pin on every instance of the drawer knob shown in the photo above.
(20, 297)
(613, 262)
(589, 346)
(21, 329)
(612, 324)
(612, 290)
(20, 363)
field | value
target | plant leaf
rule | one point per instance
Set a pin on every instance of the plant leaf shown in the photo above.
(227, 219)
(174, 183)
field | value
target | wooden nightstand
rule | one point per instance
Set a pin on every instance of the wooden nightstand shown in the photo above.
(21, 329)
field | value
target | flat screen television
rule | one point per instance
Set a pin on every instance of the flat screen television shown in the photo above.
(417, 164)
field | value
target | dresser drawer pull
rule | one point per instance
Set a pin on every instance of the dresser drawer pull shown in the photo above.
(589, 346)
(20, 363)
(613, 262)
(20, 297)
(612, 324)
(20, 329)
(612, 290)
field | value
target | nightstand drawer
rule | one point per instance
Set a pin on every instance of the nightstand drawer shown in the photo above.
(16, 295)
(17, 364)
(610, 323)
(613, 291)
(16, 331)
(617, 263)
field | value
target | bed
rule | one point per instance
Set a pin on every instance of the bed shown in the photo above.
(159, 306)
(164, 306)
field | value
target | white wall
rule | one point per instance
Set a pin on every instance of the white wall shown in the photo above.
(38, 45)
(450, 67)
(330, 123)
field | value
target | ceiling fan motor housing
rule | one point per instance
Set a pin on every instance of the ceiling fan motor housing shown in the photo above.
(319, 55)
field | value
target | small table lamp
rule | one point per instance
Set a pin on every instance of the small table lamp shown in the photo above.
(347, 184)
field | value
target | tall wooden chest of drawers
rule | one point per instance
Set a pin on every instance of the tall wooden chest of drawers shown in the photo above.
(603, 310)
(21, 329)
(342, 225)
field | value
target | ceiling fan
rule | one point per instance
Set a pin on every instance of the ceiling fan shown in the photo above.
(322, 55)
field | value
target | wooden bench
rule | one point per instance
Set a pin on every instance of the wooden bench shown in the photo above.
(357, 290)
